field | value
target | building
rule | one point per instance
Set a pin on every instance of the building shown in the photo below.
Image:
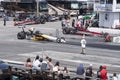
(109, 13)
(27, 5)
(86, 5)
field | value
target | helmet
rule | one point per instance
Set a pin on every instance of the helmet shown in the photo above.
(31, 29)
(37, 32)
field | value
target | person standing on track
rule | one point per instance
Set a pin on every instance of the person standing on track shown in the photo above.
(4, 19)
(83, 44)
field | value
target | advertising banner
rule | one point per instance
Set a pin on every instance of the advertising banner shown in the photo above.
(103, 7)
(116, 39)
(12, 0)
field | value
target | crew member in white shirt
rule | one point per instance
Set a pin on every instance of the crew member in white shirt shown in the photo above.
(83, 44)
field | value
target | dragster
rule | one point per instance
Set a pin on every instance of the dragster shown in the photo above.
(29, 21)
(79, 30)
(107, 34)
(26, 22)
(38, 36)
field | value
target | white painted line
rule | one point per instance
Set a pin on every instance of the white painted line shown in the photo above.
(64, 56)
(12, 62)
(87, 62)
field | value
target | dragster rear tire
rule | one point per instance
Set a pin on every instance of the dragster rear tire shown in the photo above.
(66, 31)
(21, 35)
(28, 35)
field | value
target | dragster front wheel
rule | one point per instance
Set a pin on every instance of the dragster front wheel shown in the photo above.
(61, 40)
(58, 40)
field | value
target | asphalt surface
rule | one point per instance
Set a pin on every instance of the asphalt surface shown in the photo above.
(98, 51)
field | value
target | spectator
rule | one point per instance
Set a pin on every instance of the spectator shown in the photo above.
(44, 65)
(66, 73)
(118, 76)
(68, 22)
(4, 20)
(80, 69)
(81, 11)
(4, 70)
(115, 76)
(89, 73)
(65, 70)
(7, 17)
(83, 44)
(50, 65)
(98, 72)
(41, 60)
(103, 73)
(87, 24)
(28, 63)
(47, 58)
(56, 67)
(36, 63)
(73, 23)
(81, 20)
(3, 65)
(78, 25)
(63, 23)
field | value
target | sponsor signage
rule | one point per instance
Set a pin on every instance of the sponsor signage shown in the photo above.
(26, 1)
(12, 0)
(108, 7)
(40, 0)
(118, 7)
(74, 5)
(103, 7)
(116, 39)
